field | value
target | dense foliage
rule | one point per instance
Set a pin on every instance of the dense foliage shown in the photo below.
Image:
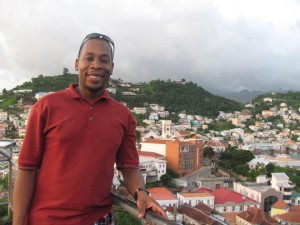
(221, 125)
(49, 83)
(122, 217)
(208, 152)
(291, 98)
(188, 97)
(176, 97)
(236, 160)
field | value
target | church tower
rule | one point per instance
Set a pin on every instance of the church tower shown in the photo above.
(166, 129)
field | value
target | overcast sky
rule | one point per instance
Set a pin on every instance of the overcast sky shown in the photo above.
(222, 45)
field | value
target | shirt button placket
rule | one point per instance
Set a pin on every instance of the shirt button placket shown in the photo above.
(91, 117)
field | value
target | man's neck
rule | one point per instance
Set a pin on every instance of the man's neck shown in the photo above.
(91, 96)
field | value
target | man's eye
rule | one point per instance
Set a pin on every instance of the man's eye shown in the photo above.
(89, 58)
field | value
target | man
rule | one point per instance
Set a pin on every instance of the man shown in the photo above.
(72, 141)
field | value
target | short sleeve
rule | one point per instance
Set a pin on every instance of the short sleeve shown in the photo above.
(32, 147)
(127, 156)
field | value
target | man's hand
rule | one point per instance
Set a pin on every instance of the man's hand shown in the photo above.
(144, 202)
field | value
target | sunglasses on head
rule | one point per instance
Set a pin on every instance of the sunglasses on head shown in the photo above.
(101, 37)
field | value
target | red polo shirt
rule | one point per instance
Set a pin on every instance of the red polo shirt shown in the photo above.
(75, 144)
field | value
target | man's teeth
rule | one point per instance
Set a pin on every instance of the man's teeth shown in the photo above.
(94, 76)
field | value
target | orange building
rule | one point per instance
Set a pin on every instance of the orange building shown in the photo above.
(184, 156)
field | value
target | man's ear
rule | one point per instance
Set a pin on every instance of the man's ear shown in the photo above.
(112, 68)
(76, 65)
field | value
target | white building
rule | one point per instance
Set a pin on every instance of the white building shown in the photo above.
(193, 198)
(139, 110)
(258, 160)
(3, 116)
(163, 196)
(259, 191)
(154, 145)
(281, 182)
(39, 95)
(153, 116)
(112, 90)
(153, 167)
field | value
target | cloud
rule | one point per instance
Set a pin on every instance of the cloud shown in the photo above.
(222, 47)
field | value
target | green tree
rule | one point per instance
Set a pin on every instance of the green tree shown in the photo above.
(233, 157)
(166, 179)
(4, 91)
(66, 71)
(208, 152)
(270, 169)
(172, 173)
(242, 169)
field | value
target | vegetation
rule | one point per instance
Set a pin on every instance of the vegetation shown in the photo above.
(292, 98)
(235, 160)
(165, 180)
(192, 98)
(122, 217)
(49, 83)
(221, 125)
(6, 103)
(3, 202)
(208, 152)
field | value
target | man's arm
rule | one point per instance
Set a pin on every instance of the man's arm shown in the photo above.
(23, 191)
(134, 180)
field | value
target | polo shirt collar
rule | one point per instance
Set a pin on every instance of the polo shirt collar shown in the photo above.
(73, 94)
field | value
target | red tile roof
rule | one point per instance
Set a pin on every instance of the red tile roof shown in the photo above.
(257, 216)
(223, 195)
(203, 189)
(161, 193)
(150, 154)
(197, 215)
(231, 217)
(196, 194)
(155, 141)
(295, 208)
(204, 208)
(292, 217)
(280, 204)
(184, 132)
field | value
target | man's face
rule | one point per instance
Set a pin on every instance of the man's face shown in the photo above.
(95, 66)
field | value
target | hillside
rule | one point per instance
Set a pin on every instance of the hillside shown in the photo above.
(243, 96)
(291, 98)
(176, 97)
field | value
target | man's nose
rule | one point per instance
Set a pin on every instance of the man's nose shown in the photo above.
(96, 64)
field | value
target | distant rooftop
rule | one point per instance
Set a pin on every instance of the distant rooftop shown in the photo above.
(161, 193)
(280, 176)
(5, 143)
